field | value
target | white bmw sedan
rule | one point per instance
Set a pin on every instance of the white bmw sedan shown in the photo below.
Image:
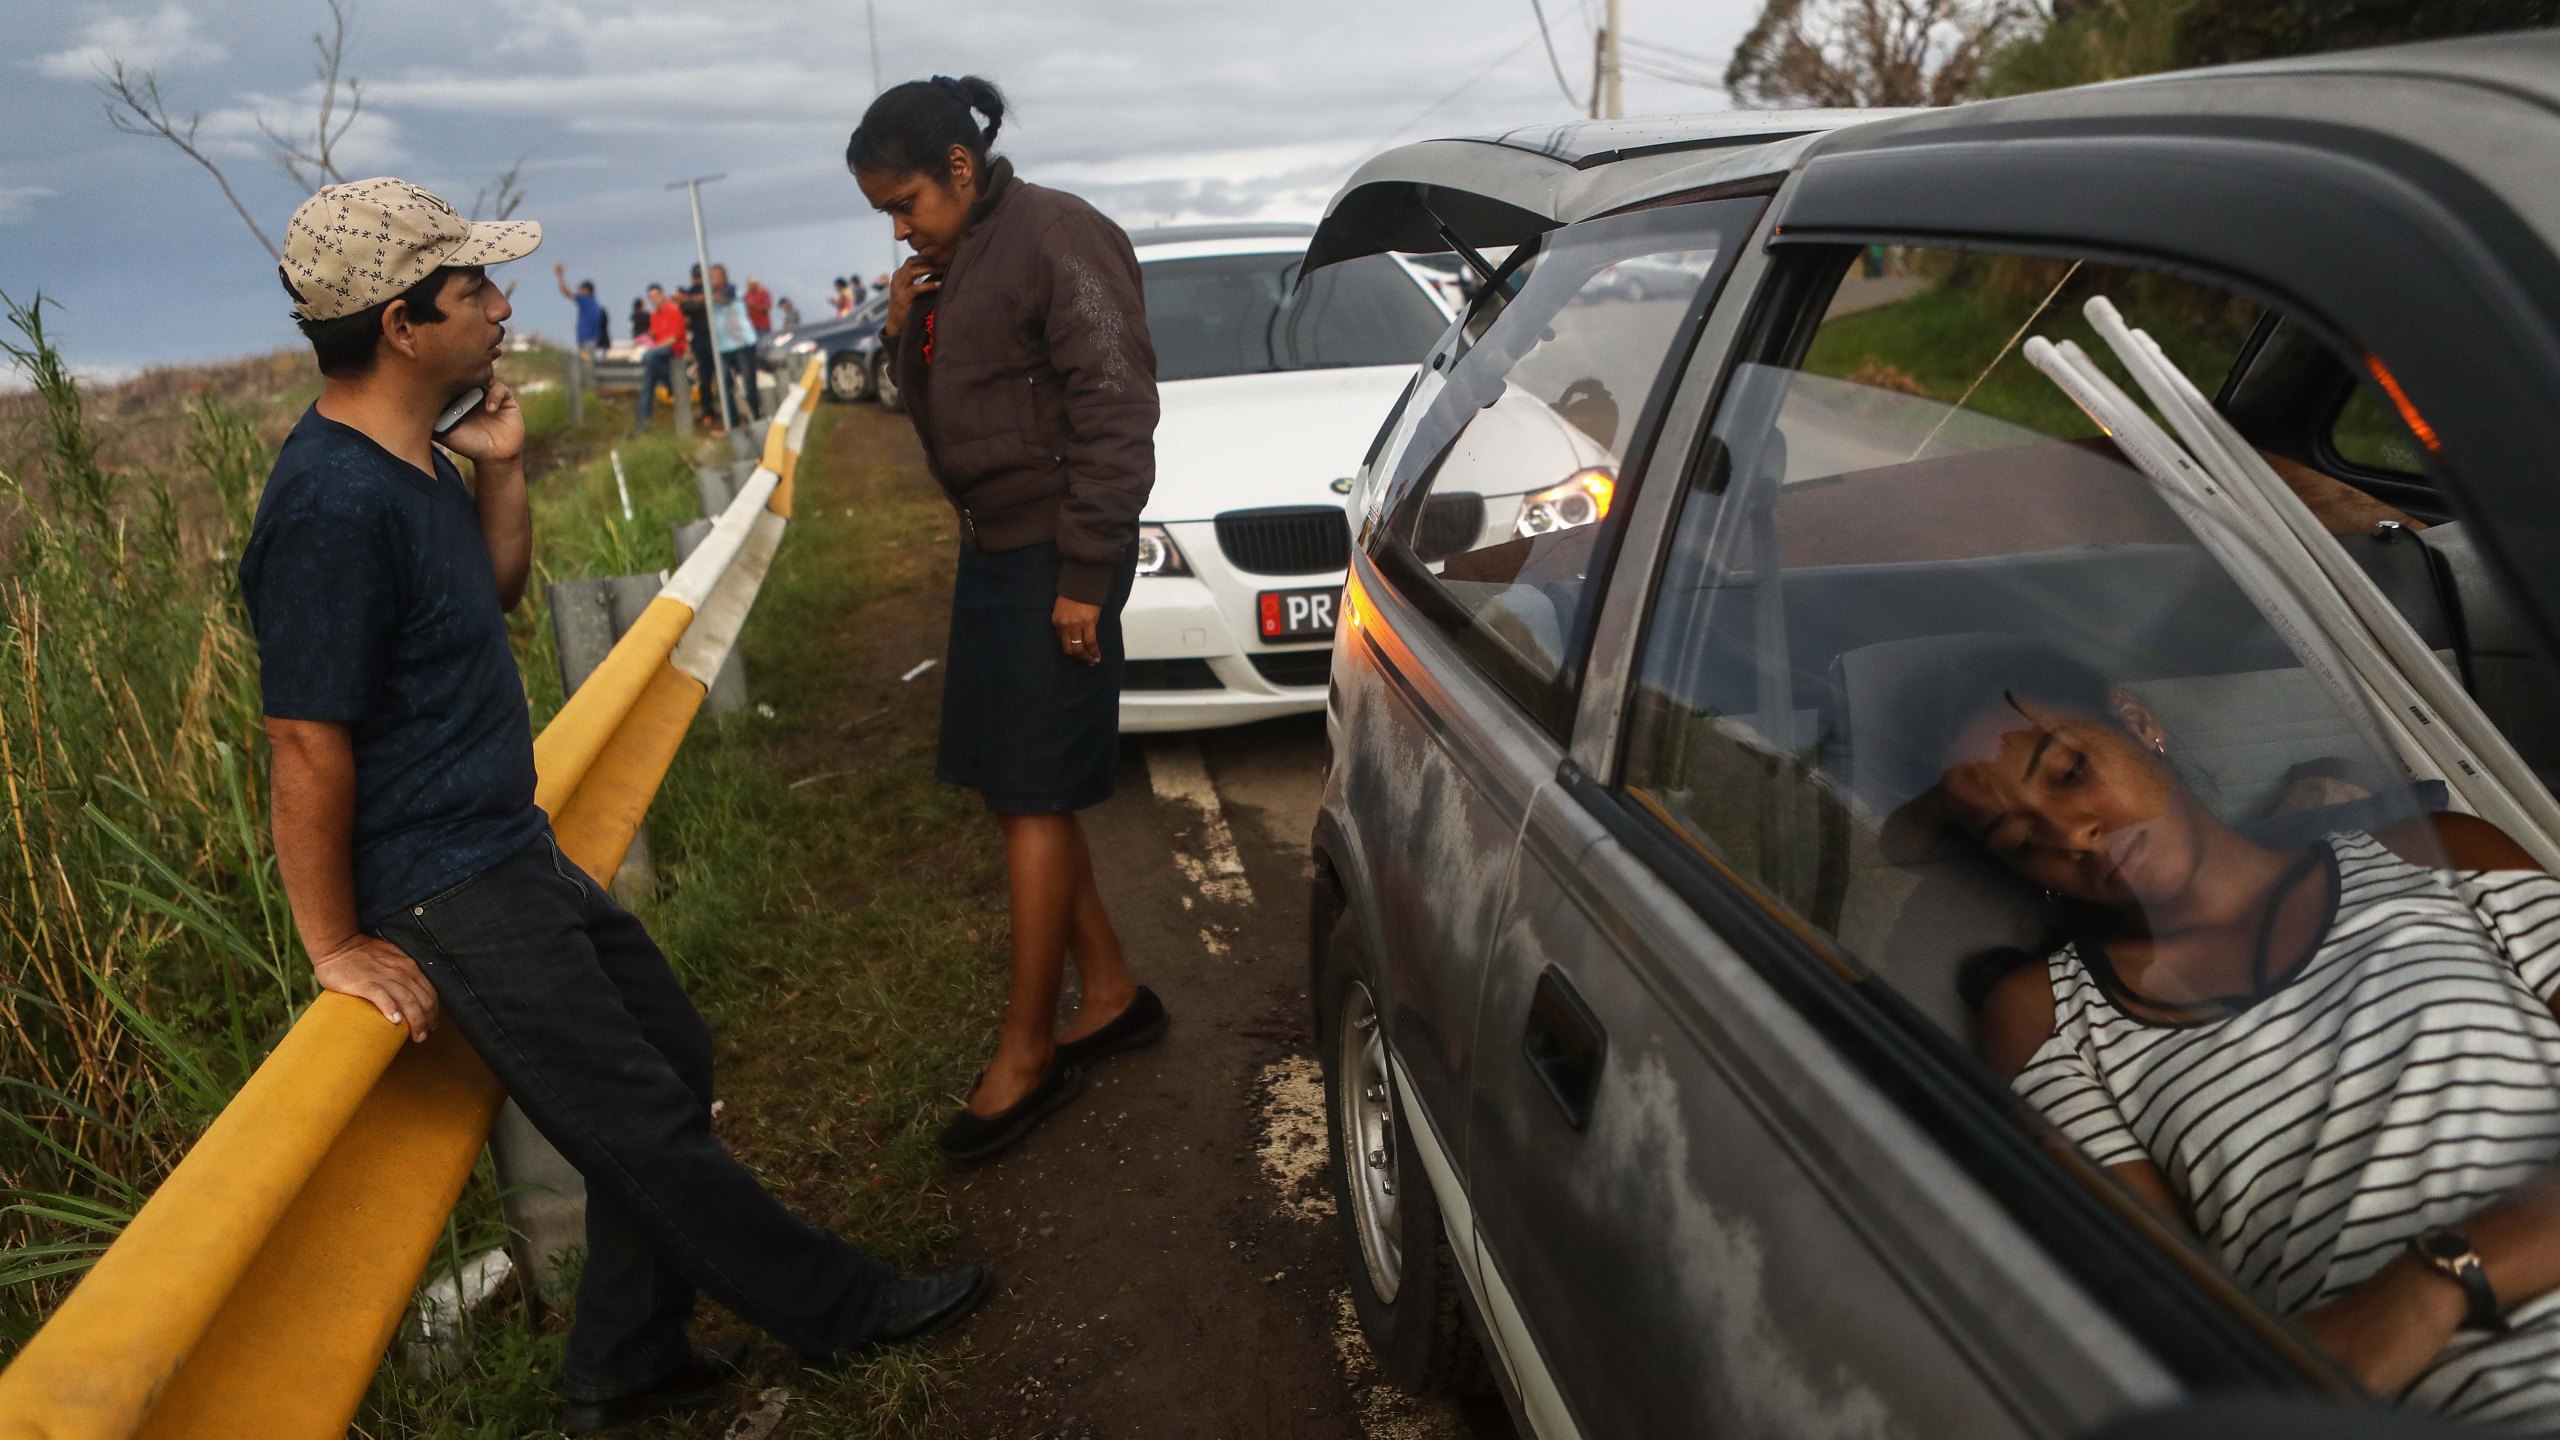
(1271, 395)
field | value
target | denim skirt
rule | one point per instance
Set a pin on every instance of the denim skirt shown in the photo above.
(1031, 730)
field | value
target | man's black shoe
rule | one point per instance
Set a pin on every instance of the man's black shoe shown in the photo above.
(971, 1136)
(1142, 1023)
(694, 1382)
(916, 1306)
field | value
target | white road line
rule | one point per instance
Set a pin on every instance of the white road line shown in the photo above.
(1177, 772)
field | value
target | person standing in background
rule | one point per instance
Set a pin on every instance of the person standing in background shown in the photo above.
(639, 320)
(788, 312)
(732, 322)
(591, 317)
(759, 306)
(1013, 283)
(695, 301)
(658, 362)
(423, 878)
(843, 297)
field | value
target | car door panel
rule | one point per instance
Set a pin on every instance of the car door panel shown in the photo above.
(1792, 1255)
(1445, 771)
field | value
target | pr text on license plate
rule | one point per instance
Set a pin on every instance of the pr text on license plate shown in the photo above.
(1299, 614)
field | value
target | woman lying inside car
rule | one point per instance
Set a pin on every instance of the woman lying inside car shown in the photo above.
(2336, 1061)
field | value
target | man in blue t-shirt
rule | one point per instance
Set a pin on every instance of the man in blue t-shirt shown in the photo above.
(424, 879)
(591, 321)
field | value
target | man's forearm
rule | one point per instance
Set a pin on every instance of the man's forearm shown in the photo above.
(314, 803)
(506, 524)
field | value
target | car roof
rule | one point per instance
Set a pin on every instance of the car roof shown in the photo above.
(1505, 189)
(1243, 230)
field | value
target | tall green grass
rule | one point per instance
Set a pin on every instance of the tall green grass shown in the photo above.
(146, 958)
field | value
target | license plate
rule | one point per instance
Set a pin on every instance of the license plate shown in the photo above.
(1299, 614)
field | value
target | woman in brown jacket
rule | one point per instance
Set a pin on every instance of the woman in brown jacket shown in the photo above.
(1020, 335)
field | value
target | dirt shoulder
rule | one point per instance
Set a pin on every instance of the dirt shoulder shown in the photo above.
(1165, 1249)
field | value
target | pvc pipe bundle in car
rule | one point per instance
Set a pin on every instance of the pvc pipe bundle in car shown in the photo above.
(2365, 651)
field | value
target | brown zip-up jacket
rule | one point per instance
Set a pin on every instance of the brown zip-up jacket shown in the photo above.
(1032, 382)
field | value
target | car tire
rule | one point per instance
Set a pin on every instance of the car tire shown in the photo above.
(848, 379)
(884, 384)
(1404, 1276)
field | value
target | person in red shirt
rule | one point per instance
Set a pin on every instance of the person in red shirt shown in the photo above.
(658, 363)
(759, 306)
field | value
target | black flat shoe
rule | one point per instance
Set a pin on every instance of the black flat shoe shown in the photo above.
(916, 1307)
(695, 1382)
(971, 1136)
(1142, 1023)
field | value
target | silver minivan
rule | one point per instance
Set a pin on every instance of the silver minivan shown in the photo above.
(1651, 997)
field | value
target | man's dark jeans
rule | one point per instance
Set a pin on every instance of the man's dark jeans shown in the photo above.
(577, 1013)
(657, 367)
(739, 366)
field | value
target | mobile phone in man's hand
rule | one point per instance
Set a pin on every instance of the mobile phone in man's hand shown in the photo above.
(454, 413)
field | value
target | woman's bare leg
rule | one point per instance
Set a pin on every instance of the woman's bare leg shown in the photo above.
(1104, 986)
(1041, 863)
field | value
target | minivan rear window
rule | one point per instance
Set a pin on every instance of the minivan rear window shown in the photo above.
(1248, 315)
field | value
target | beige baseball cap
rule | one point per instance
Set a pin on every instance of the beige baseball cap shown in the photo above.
(358, 244)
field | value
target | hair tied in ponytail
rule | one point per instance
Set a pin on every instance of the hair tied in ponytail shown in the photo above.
(911, 127)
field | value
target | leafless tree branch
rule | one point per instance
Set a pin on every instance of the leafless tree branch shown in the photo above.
(311, 163)
(135, 107)
(498, 199)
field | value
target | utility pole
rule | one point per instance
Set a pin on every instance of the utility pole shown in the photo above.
(871, 14)
(1604, 92)
(711, 298)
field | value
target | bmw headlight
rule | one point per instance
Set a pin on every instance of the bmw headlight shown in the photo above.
(1580, 500)
(1156, 553)
(805, 347)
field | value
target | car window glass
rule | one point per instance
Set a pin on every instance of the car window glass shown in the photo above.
(1499, 509)
(1248, 315)
(1981, 703)
(2369, 435)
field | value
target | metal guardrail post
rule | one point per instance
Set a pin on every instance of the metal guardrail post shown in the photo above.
(717, 485)
(573, 378)
(680, 381)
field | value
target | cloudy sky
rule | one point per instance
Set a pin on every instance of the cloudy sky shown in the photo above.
(1156, 110)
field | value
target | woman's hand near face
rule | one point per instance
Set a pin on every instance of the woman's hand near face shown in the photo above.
(1078, 630)
(913, 279)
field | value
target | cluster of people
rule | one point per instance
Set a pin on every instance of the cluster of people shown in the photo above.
(671, 326)
(426, 881)
(851, 292)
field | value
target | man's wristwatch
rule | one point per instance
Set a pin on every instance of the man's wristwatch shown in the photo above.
(2452, 1255)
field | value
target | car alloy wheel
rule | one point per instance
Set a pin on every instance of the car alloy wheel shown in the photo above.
(1366, 1100)
(1404, 1278)
(848, 379)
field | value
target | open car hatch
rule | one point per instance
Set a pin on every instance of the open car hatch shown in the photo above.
(1485, 193)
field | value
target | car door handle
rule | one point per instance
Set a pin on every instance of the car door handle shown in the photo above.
(1565, 1045)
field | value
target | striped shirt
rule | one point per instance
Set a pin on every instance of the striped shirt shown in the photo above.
(2404, 1076)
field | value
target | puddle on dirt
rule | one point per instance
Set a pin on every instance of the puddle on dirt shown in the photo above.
(1292, 1148)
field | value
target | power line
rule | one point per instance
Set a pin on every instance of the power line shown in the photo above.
(1672, 50)
(1675, 77)
(1462, 87)
(1540, 10)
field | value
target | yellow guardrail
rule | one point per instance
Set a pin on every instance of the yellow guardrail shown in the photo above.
(256, 1291)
